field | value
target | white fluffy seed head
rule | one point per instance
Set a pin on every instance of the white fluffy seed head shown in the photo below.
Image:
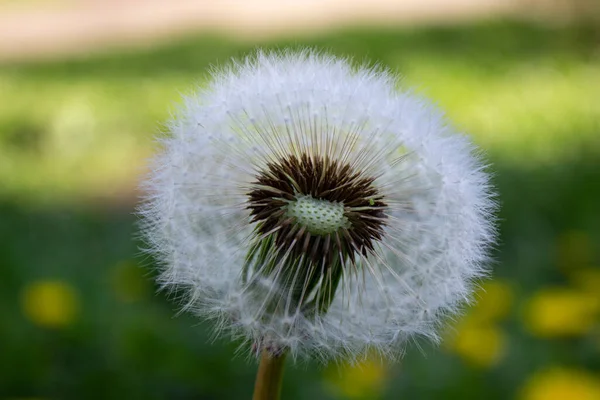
(272, 141)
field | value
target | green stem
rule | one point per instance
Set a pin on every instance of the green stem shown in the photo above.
(269, 377)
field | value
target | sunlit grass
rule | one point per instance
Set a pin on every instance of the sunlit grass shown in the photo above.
(85, 127)
(533, 113)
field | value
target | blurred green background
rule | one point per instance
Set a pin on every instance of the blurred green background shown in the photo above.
(80, 318)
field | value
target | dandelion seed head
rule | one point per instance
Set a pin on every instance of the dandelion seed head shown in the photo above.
(307, 205)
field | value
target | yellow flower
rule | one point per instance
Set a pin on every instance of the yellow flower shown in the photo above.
(50, 303)
(364, 380)
(561, 384)
(476, 338)
(129, 283)
(493, 302)
(480, 345)
(588, 280)
(555, 312)
(574, 251)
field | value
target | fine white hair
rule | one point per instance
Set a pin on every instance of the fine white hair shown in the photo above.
(439, 225)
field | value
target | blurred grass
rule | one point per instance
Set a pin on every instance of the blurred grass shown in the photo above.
(80, 320)
(85, 126)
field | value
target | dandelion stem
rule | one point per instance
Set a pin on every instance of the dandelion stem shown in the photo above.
(269, 377)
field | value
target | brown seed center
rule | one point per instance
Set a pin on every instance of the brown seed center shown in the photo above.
(293, 178)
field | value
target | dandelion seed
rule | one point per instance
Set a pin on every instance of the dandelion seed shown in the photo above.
(309, 208)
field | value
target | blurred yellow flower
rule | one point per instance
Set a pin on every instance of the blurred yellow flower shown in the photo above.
(561, 384)
(493, 302)
(588, 280)
(363, 380)
(50, 303)
(555, 312)
(128, 282)
(574, 251)
(480, 345)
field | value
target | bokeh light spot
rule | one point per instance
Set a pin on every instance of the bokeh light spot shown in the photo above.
(480, 345)
(129, 283)
(51, 304)
(574, 251)
(561, 384)
(587, 280)
(363, 380)
(560, 312)
(494, 302)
